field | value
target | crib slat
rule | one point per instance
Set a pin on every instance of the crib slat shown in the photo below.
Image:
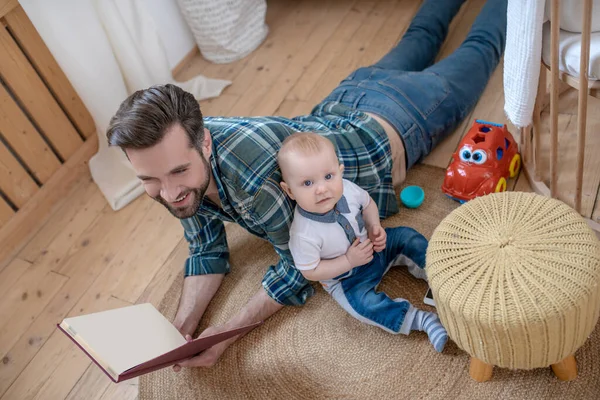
(554, 26)
(583, 95)
(537, 124)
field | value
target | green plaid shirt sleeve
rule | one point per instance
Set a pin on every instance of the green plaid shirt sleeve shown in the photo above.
(209, 253)
(274, 211)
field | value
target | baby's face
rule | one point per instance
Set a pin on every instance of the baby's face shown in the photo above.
(314, 181)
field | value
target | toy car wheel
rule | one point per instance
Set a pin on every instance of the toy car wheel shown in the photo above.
(501, 185)
(515, 165)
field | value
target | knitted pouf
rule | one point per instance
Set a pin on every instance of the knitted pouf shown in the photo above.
(515, 277)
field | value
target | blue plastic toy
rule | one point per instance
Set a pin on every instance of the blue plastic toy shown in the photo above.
(412, 196)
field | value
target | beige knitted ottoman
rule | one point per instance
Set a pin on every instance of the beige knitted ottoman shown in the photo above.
(515, 277)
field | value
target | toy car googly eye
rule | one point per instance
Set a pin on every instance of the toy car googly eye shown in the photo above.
(465, 154)
(486, 157)
(479, 157)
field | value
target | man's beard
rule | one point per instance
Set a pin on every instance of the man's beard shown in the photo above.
(197, 193)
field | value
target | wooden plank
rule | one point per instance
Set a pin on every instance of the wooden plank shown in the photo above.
(15, 182)
(11, 274)
(286, 108)
(42, 378)
(106, 237)
(27, 86)
(218, 106)
(299, 53)
(166, 275)
(127, 390)
(146, 253)
(81, 208)
(334, 47)
(33, 45)
(390, 33)
(185, 61)
(91, 386)
(108, 244)
(522, 183)
(260, 73)
(349, 59)
(95, 385)
(148, 250)
(22, 136)
(23, 226)
(68, 372)
(6, 212)
(7, 6)
(32, 301)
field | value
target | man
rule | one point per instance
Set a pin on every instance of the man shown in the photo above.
(382, 119)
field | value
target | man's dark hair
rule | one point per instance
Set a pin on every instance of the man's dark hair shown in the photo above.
(144, 118)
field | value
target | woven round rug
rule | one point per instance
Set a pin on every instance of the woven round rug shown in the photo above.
(318, 351)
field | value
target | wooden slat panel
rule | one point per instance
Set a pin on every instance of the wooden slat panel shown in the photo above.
(25, 140)
(15, 182)
(33, 45)
(24, 82)
(7, 5)
(6, 212)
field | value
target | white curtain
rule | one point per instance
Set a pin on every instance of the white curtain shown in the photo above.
(108, 49)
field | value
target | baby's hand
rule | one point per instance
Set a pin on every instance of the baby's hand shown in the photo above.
(378, 238)
(360, 253)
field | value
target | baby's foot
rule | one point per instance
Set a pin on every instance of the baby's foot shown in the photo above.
(430, 323)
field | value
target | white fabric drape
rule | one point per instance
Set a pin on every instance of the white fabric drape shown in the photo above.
(108, 49)
(522, 59)
(523, 53)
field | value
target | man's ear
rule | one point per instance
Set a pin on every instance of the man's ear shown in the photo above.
(206, 144)
(286, 189)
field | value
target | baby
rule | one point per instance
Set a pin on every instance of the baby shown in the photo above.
(336, 238)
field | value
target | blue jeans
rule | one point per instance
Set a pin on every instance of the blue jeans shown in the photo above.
(426, 102)
(356, 291)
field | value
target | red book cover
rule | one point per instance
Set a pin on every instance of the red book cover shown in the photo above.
(188, 350)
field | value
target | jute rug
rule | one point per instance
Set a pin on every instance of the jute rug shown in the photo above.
(319, 352)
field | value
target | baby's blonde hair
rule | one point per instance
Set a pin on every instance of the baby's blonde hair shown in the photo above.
(304, 143)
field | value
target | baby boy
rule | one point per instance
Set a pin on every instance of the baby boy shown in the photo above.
(336, 238)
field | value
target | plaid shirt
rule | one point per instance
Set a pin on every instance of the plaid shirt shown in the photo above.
(245, 168)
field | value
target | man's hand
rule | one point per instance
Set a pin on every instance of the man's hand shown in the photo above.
(259, 308)
(210, 356)
(378, 238)
(360, 253)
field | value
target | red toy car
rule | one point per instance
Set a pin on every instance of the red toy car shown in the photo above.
(486, 157)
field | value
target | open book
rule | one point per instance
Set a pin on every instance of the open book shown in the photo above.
(131, 341)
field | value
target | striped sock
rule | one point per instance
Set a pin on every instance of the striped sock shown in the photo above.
(430, 323)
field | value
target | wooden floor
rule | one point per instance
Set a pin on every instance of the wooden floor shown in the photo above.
(88, 258)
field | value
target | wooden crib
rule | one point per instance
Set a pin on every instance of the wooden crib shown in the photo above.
(540, 145)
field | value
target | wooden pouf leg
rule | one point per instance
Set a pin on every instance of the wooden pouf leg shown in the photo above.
(479, 370)
(566, 370)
